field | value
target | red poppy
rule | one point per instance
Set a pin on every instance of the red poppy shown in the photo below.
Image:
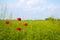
(25, 24)
(7, 22)
(19, 19)
(18, 28)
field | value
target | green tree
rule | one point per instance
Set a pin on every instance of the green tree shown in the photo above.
(50, 18)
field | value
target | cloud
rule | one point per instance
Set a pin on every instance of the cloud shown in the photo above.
(23, 3)
(36, 8)
(30, 2)
(32, 9)
(51, 7)
(27, 5)
(43, 8)
(20, 3)
(36, 2)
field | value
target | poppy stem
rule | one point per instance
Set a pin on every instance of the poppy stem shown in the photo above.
(19, 23)
(7, 27)
(18, 35)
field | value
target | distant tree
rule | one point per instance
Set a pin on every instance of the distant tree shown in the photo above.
(58, 19)
(50, 18)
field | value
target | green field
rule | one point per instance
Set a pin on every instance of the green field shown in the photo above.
(36, 30)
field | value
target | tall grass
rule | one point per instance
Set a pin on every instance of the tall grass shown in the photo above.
(36, 30)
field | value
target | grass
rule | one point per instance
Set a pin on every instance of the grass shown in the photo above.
(36, 30)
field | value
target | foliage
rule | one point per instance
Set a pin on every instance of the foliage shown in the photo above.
(51, 18)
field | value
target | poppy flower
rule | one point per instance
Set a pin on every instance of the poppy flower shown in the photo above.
(25, 24)
(18, 28)
(19, 19)
(7, 22)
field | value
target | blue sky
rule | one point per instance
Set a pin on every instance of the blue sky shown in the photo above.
(31, 9)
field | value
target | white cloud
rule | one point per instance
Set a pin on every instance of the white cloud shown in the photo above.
(51, 7)
(24, 3)
(20, 3)
(35, 8)
(30, 2)
(43, 2)
(28, 5)
(43, 8)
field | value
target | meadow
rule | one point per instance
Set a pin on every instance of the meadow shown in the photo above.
(35, 30)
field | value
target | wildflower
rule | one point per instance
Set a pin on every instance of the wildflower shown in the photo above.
(19, 19)
(25, 24)
(7, 22)
(18, 28)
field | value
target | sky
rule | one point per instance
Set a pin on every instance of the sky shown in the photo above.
(31, 9)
